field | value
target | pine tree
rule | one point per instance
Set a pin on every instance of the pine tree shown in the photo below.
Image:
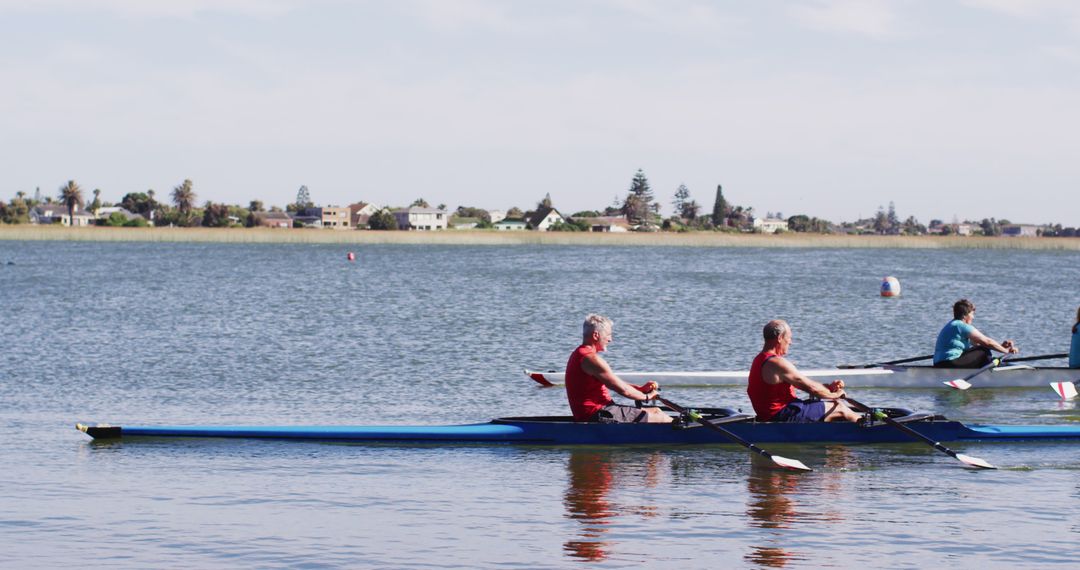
(682, 196)
(720, 207)
(303, 199)
(638, 203)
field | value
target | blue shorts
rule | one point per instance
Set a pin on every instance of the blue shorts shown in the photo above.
(801, 412)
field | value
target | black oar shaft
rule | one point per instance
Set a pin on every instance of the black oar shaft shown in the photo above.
(719, 429)
(901, 361)
(1040, 357)
(935, 444)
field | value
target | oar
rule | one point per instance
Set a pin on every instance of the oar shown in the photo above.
(1066, 390)
(901, 361)
(784, 462)
(963, 384)
(965, 459)
(1040, 357)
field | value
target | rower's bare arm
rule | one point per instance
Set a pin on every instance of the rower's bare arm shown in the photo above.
(788, 373)
(983, 340)
(598, 368)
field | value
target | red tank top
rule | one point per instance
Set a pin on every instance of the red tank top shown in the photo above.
(585, 393)
(767, 398)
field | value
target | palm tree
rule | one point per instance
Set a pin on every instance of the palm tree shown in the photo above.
(96, 204)
(184, 197)
(71, 196)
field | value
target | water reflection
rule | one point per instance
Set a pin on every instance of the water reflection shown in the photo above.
(592, 475)
(774, 505)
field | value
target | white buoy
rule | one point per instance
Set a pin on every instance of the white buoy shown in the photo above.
(890, 287)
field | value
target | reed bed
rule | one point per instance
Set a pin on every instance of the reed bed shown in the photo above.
(491, 237)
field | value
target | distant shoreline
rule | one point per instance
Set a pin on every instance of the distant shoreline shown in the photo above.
(489, 237)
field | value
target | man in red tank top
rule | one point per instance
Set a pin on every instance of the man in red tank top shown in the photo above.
(773, 380)
(588, 378)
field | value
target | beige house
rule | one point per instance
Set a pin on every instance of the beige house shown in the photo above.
(274, 220)
(422, 219)
(336, 217)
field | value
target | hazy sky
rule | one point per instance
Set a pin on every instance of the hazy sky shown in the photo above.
(830, 108)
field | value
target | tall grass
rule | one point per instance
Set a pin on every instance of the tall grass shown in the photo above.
(491, 237)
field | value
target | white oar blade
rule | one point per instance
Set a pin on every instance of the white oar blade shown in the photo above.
(1066, 390)
(959, 384)
(974, 462)
(793, 464)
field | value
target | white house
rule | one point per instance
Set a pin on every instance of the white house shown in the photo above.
(544, 218)
(496, 215)
(361, 212)
(423, 219)
(770, 225)
(606, 223)
(58, 214)
(1020, 230)
(510, 224)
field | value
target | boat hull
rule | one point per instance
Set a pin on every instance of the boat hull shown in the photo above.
(1018, 376)
(563, 431)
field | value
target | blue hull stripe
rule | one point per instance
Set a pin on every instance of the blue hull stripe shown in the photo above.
(524, 431)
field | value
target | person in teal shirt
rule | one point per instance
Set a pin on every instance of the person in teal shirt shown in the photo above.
(961, 345)
(1074, 349)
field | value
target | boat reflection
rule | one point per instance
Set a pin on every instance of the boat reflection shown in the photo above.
(774, 505)
(592, 474)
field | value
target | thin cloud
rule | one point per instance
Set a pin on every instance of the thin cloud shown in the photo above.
(141, 9)
(871, 18)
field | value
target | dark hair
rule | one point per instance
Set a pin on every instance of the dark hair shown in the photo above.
(962, 308)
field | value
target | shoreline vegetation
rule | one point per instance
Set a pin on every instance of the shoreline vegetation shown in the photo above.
(493, 237)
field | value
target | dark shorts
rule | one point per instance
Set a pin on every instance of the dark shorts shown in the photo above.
(975, 357)
(619, 414)
(801, 412)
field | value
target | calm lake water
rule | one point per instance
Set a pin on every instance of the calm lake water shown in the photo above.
(289, 334)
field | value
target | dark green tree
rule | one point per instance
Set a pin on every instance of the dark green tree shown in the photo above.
(420, 203)
(382, 220)
(720, 208)
(215, 215)
(137, 203)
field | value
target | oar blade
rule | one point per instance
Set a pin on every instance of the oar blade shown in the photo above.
(959, 384)
(539, 378)
(1066, 390)
(792, 464)
(974, 462)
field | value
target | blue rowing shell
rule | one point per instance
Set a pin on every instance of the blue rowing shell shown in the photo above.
(561, 431)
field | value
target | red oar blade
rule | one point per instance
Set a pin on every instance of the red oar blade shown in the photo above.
(1066, 390)
(539, 378)
(792, 464)
(974, 462)
(959, 384)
